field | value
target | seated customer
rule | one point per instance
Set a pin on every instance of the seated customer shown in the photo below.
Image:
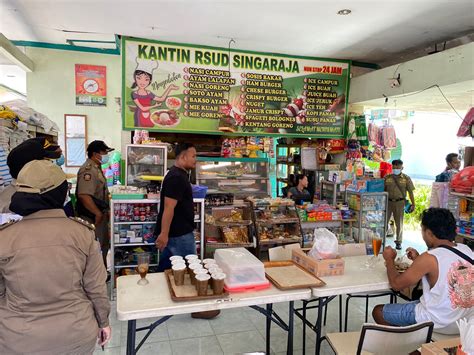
(453, 164)
(433, 268)
(299, 191)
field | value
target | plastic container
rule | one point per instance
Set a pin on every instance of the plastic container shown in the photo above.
(244, 271)
(376, 185)
(199, 191)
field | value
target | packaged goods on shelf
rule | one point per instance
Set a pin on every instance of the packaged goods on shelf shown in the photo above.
(135, 212)
(229, 225)
(273, 202)
(216, 200)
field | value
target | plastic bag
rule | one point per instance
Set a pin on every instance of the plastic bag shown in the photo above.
(325, 245)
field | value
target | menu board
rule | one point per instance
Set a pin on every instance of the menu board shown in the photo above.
(187, 88)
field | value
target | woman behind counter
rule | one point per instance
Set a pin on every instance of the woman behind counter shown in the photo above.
(299, 191)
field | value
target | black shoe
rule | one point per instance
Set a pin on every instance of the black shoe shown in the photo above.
(398, 245)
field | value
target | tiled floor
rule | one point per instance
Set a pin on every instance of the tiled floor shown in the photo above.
(234, 331)
(241, 330)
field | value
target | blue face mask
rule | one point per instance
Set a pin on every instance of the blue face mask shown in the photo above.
(104, 159)
(397, 171)
(60, 160)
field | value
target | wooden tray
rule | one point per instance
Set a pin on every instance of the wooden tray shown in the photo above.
(287, 275)
(188, 292)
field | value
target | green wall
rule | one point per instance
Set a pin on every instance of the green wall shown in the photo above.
(51, 91)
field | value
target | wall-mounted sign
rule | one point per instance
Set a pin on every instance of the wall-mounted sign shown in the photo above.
(91, 85)
(186, 88)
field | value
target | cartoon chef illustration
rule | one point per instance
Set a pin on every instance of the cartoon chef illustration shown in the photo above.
(143, 98)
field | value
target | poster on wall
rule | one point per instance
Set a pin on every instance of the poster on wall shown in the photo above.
(91, 85)
(187, 88)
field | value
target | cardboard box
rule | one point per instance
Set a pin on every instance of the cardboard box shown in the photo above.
(328, 267)
(437, 348)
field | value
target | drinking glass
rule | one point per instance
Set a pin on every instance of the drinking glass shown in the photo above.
(376, 245)
(143, 260)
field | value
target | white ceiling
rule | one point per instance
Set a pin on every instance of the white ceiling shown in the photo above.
(13, 77)
(383, 32)
(460, 95)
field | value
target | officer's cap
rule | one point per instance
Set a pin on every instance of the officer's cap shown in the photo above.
(39, 177)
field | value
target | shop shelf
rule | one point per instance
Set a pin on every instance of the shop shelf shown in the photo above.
(288, 146)
(137, 201)
(229, 245)
(280, 241)
(130, 223)
(278, 221)
(321, 224)
(466, 236)
(459, 194)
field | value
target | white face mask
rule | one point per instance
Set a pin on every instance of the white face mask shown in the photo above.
(397, 171)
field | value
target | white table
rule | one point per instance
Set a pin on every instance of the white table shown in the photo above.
(356, 278)
(154, 300)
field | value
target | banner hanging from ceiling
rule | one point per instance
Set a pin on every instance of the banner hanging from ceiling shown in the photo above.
(196, 89)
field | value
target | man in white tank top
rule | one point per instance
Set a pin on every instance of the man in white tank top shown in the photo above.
(433, 268)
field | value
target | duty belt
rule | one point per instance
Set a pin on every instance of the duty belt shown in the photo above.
(396, 199)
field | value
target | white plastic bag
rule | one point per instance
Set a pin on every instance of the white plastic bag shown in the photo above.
(325, 245)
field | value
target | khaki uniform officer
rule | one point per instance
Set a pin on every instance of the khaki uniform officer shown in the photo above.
(93, 194)
(53, 295)
(397, 185)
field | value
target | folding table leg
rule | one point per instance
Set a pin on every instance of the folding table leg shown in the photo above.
(340, 313)
(291, 323)
(131, 334)
(318, 324)
(304, 326)
(366, 309)
(268, 326)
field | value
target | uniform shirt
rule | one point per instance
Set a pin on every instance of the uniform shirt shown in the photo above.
(435, 304)
(177, 186)
(391, 187)
(91, 181)
(53, 295)
(6, 198)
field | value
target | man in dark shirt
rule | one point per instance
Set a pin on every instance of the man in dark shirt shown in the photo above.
(453, 164)
(175, 223)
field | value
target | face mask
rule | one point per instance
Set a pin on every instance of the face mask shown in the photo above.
(60, 161)
(397, 171)
(104, 159)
